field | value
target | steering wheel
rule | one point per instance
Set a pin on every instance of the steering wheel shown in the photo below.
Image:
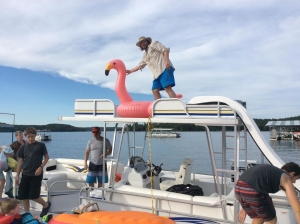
(155, 169)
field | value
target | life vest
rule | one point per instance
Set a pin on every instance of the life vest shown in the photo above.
(8, 219)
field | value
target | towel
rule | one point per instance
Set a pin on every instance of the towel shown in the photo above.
(9, 177)
(9, 184)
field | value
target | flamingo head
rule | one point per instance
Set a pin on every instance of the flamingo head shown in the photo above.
(120, 87)
(114, 64)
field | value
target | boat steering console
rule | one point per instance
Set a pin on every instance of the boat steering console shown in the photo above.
(155, 169)
(139, 173)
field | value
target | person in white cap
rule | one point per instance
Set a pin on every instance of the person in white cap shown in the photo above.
(156, 56)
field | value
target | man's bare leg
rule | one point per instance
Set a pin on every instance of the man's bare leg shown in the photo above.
(91, 184)
(156, 94)
(26, 205)
(170, 92)
(258, 221)
(273, 221)
(2, 183)
(41, 201)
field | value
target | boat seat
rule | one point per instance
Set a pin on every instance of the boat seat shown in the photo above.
(182, 177)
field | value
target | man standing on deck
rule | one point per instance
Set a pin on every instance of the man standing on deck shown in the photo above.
(156, 56)
(95, 148)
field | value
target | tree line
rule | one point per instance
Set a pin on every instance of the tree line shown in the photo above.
(261, 123)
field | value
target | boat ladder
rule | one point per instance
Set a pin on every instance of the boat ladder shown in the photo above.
(231, 146)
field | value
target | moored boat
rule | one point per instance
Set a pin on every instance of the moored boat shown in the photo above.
(143, 186)
(43, 135)
(218, 204)
(164, 133)
(296, 135)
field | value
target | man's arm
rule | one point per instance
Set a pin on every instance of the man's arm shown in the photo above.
(40, 169)
(20, 163)
(86, 156)
(167, 60)
(288, 186)
(109, 151)
(46, 159)
(136, 68)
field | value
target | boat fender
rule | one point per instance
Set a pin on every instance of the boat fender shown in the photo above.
(118, 177)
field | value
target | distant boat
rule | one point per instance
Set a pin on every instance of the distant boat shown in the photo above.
(43, 135)
(164, 133)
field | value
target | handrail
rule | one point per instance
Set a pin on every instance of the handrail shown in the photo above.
(61, 181)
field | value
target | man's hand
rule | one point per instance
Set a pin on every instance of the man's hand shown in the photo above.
(17, 180)
(85, 166)
(128, 72)
(38, 171)
(242, 216)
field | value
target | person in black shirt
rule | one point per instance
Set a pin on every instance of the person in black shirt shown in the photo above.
(253, 188)
(32, 154)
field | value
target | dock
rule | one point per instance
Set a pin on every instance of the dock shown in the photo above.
(283, 130)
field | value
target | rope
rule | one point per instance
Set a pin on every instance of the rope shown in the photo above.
(149, 128)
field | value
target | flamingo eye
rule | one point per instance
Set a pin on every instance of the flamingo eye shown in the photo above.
(114, 63)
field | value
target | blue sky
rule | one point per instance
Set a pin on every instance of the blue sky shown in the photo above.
(53, 52)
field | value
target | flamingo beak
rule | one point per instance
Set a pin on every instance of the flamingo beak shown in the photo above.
(108, 67)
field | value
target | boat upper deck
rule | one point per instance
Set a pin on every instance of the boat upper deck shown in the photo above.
(210, 111)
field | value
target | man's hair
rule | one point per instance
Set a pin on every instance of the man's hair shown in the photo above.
(18, 132)
(8, 205)
(30, 130)
(291, 167)
(148, 44)
(96, 129)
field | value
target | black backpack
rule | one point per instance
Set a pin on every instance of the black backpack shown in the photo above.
(193, 190)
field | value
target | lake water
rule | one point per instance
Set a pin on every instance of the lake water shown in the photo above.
(169, 151)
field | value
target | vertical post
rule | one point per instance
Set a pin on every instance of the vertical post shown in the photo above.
(224, 190)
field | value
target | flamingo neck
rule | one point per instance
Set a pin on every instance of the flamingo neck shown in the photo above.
(121, 90)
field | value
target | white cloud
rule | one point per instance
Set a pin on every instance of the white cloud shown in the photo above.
(241, 49)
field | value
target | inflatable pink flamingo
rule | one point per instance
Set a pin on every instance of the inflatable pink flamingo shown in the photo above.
(128, 107)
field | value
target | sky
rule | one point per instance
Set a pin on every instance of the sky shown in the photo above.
(53, 52)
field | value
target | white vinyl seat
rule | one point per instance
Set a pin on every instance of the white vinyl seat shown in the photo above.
(182, 177)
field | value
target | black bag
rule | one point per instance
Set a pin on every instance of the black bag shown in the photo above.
(193, 190)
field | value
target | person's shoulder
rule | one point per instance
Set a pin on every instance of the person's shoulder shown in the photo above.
(153, 43)
(24, 145)
(13, 143)
(39, 144)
